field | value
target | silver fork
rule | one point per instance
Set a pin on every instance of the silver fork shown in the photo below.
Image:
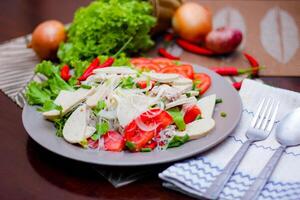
(260, 128)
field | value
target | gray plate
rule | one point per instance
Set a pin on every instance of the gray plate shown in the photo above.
(43, 132)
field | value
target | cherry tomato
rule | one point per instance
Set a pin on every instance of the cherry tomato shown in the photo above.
(113, 141)
(204, 82)
(191, 114)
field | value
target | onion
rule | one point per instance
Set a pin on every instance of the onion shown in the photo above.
(151, 114)
(223, 40)
(192, 22)
(46, 38)
(108, 114)
(145, 127)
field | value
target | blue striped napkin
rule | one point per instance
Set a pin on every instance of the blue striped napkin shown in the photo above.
(193, 176)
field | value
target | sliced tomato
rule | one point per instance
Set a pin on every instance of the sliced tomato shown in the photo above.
(174, 70)
(152, 144)
(191, 113)
(162, 62)
(138, 61)
(138, 137)
(204, 82)
(113, 141)
(142, 84)
(148, 66)
(156, 116)
(188, 69)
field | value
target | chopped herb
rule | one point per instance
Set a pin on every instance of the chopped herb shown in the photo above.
(177, 63)
(146, 150)
(178, 141)
(198, 117)
(130, 145)
(101, 129)
(188, 94)
(196, 84)
(177, 118)
(100, 106)
(85, 86)
(219, 100)
(127, 83)
(223, 114)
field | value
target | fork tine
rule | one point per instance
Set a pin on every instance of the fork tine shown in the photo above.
(267, 118)
(257, 113)
(272, 121)
(262, 115)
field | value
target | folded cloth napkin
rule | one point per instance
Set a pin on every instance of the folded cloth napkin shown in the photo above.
(193, 176)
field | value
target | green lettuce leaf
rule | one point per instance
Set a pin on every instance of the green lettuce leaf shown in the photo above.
(103, 27)
(36, 94)
(178, 141)
(177, 118)
(46, 68)
(56, 84)
(50, 105)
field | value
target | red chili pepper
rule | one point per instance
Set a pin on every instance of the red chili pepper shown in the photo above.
(89, 70)
(231, 71)
(168, 37)
(65, 72)
(237, 85)
(107, 63)
(163, 52)
(95, 65)
(253, 62)
(194, 48)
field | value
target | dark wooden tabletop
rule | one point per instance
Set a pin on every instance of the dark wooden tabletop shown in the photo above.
(27, 171)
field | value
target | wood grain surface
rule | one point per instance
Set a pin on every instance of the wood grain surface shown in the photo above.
(27, 171)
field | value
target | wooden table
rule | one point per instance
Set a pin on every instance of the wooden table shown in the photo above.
(27, 171)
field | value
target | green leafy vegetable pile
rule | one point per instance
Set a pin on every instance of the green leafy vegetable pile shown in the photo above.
(105, 26)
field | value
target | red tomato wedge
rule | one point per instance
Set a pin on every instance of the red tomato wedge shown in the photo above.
(157, 117)
(113, 141)
(153, 120)
(184, 70)
(204, 82)
(191, 113)
(136, 136)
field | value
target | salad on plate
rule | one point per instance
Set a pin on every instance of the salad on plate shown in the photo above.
(148, 104)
